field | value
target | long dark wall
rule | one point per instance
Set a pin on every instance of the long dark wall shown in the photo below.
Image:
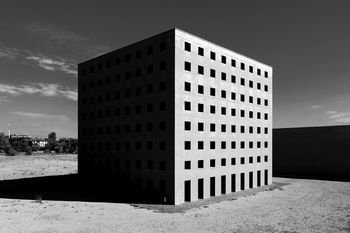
(312, 152)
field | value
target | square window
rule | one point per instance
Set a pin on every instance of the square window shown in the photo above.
(233, 96)
(266, 74)
(223, 145)
(258, 159)
(200, 51)
(200, 107)
(187, 125)
(149, 107)
(212, 145)
(200, 164)
(251, 99)
(162, 145)
(150, 69)
(212, 127)
(266, 158)
(162, 66)
(258, 144)
(223, 162)
(223, 76)
(251, 129)
(250, 159)
(242, 113)
(242, 160)
(223, 128)
(250, 114)
(212, 91)
(233, 161)
(259, 72)
(200, 145)
(223, 111)
(162, 165)
(187, 86)
(149, 89)
(187, 106)
(223, 94)
(251, 145)
(266, 130)
(242, 128)
(233, 112)
(200, 70)
(266, 144)
(242, 144)
(266, 116)
(258, 86)
(138, 54)
(223, 59)
(212, 73)
(212, 109)
(233, 79)
(258, 100)
(266, 88)
(162, 46)
(162, 86)
(233, 62)
(242, 81)
(162, 106)
(258, 115)
(200, 126)
(258, 129)
(200, 89)
(127, 58)
(187, 145)
(212, 55)
(187, 165)
(242, 98)
(233, 144)
(187, 46)
(212, 163)
(233, 128)
(266, 102)
(162, 126)
(251, 70)
(251, 84)
(242, 66)
(150, 50)
(187, 66)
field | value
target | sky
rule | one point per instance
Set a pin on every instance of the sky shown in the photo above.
(41, 42)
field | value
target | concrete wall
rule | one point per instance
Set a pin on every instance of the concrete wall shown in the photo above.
(312, 152)
(194, 116)
(111, 145)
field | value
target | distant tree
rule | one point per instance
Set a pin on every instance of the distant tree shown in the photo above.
(20, 145)
(51, 141)
(3, 141)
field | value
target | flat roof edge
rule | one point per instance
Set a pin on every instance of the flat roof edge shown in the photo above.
(180, 30)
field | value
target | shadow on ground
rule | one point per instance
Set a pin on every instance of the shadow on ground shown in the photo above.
(72, 187)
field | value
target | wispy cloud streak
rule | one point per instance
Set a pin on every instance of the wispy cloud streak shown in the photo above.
(47, 90)
(41, 115)
(341, 117)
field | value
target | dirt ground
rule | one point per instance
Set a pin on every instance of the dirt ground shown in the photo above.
(299, 206)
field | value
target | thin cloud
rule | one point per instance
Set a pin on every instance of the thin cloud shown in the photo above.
(54, 65)
(316, 106)
(5, 99)
(341, 117)
(41, 115)
(47, 90)
(56, 38)
(8, 52)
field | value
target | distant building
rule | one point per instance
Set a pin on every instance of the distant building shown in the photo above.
(39, 142)
(312, 152)
(178, 115)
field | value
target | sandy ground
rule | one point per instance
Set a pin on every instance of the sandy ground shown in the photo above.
(24, 166)
(299, 206)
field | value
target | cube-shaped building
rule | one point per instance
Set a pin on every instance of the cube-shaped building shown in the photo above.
(177, 115)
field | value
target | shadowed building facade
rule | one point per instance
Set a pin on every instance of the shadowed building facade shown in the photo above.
(178, 116)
